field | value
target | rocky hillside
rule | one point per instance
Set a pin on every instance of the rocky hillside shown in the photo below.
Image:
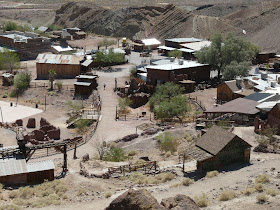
(260, 20)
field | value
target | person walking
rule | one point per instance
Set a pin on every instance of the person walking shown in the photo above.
(104, 85)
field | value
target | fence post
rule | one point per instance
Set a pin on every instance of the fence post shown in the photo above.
(125, 117)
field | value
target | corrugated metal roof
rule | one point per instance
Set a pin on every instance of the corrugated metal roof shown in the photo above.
(58, 59)
(13, 165)
(40, 166)
(82, 83)
(258, 96)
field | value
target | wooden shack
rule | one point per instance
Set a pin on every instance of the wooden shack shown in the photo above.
(15, 170)
(65, 66)
(85, 84)
(274, 117)
(233, 89)
(80, 35)
(218, 148)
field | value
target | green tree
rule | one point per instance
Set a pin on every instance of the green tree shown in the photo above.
(236, 69)
(10, 26)
(175, 53)
(22, 81)
(224, 50)
(123, 103)
(9, 60)
(167, 102)
(167, 142)
(115, 154)
(52, 75)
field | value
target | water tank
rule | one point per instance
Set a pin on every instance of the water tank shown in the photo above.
(264, 76)
(181, 62)
(273, 84)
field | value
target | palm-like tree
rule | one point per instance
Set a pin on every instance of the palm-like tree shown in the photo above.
(52, 75)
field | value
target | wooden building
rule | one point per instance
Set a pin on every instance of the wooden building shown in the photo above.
(85, 84)
(218, 148)
(171, 72)
(15, 170)
(80, 35)
(65, 66)
(233, 89)
(274, 117)
(146, 44)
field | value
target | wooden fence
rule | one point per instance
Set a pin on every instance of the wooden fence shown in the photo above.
(134, 116)
(47, 86)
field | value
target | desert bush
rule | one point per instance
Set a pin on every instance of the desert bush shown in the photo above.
(167, 142)
(131, 153)
(261, 198)
(124, 103)
(22, 81)
(107, 194)
(114, 154)
(109, 57)
(59, 85)
(176, 184)
(259, 187)
(10, 207)
(140, 178)
(187, 181)
(164, 177)
(188, 137)
(55, 27)
(272, 192)
(132, 72)
(25, 192)
(211, 174)
(5, 94)
(168, 154)
(227, 195)
(13, 194)
(106, 42)
(81, 191)
(263, 178)
(249, 190)
(202, 200)
(83, 124)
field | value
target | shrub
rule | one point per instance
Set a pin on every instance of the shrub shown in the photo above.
(139, 178)
(22, 81)
(272, 192)
(164, 177)
(108, 195)
(5, 94)
(227, 195)
(187, 181)
(249, 190)
(211, 174)
(202, 200)
(83, 124)
(106, 42)
(167, 142)
(132, 72)
(131, 153)
(188, 137)
(115, 154)
(263, 178)
(10, 207)
(261, 198)
(168, 154)
(109, 57)
(81, 191)
(259, 187)
(59, 85)
(13, 194)
(124, 103)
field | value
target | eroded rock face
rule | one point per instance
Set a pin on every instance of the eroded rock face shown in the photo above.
(19, 122)
(179, 202)
(47, 128)
(54, 134)
(43, 122)
(31, 123)
(135, 200)
(38, 135)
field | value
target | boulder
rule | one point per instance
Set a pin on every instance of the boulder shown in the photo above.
(43, 122)
(54, 134)
(135, 200)
(19, 122)
(86, 157)
(38, 135)
(31, 123)
(179, 202)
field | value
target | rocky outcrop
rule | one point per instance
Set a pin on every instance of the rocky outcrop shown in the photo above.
(135, 200)
(143, 200)
(31, 123)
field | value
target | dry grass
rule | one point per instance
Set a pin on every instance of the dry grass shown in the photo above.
(259, 187)
(272, 192)
(227, 195)
(168, 154)
(249, 190)
(107, 194)
(261, 198)
(202, 200)
(263, 178)
(187, 181)
(211, 174)
(10, 207)
(81, 191)
(140, 178)
(131, 153)
(188, 137)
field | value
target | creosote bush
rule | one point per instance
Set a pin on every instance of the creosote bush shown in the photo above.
(131, 153)
(187, 181)
(81, 191)
(272, 192)
(259, 187)
(202, 200)
(107, 194)
(140, 178)
(115, 154)
(227, 195)
(211, 174)
(167, 142)
(263, 178)
(262, 198)
(249, 190)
